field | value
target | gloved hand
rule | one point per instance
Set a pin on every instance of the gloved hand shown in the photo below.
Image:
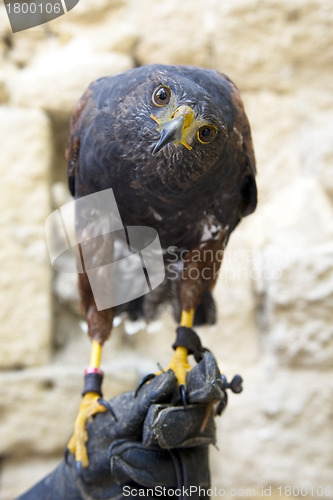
(156, 444)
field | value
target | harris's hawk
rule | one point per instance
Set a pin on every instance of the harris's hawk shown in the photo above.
(174, 144)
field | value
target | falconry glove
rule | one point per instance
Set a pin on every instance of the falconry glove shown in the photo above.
(156, 447)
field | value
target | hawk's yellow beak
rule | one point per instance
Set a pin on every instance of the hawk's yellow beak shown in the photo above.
(173, 128)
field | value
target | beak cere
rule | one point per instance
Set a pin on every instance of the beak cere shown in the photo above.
(172, 130)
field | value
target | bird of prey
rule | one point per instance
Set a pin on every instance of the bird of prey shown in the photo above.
(174, 144)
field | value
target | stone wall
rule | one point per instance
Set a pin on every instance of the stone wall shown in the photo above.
(275, 292)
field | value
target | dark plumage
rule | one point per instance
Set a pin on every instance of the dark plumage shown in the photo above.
(174, 144)
(184, 193)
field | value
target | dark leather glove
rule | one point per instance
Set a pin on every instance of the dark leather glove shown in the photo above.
(156, 445)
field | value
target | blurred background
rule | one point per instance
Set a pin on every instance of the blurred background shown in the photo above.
(275, 291)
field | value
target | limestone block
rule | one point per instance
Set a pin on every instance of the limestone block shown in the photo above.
(300, 214)
(7, 70)
(25, 322)
(4, 64)
(275, 42)
(233, 339)
(292, 275)
(65, 285)
(3, 89)
(315, 119)
(291, 135)
(278, 431)
(257, 43)
(109, 26)
(25, 45)
(56, 79)
(39, 406)
(182, 36)
(117, 34)
(296, 303)
(65, 288)
(84, 12)
(49, 399)
(276, 128)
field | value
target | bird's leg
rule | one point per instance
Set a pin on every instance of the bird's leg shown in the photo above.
(89, 406)
(179, 363)
(99, 327)
(200, 271)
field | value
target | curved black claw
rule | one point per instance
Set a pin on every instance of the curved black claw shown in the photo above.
(182, 391)
(143, 381)
(107, 405)
(222, 405)
(79, 469)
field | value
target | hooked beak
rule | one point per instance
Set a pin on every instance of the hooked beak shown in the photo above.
(172, 129)
(170, 132)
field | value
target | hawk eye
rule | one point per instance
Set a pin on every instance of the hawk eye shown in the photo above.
(207, 133)
(161, 96)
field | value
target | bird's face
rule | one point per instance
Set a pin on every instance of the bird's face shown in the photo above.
(172, 127)
(186, 117)
(177, 123)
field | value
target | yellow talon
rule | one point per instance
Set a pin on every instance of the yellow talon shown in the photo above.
(179, 364)
(77, 444)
